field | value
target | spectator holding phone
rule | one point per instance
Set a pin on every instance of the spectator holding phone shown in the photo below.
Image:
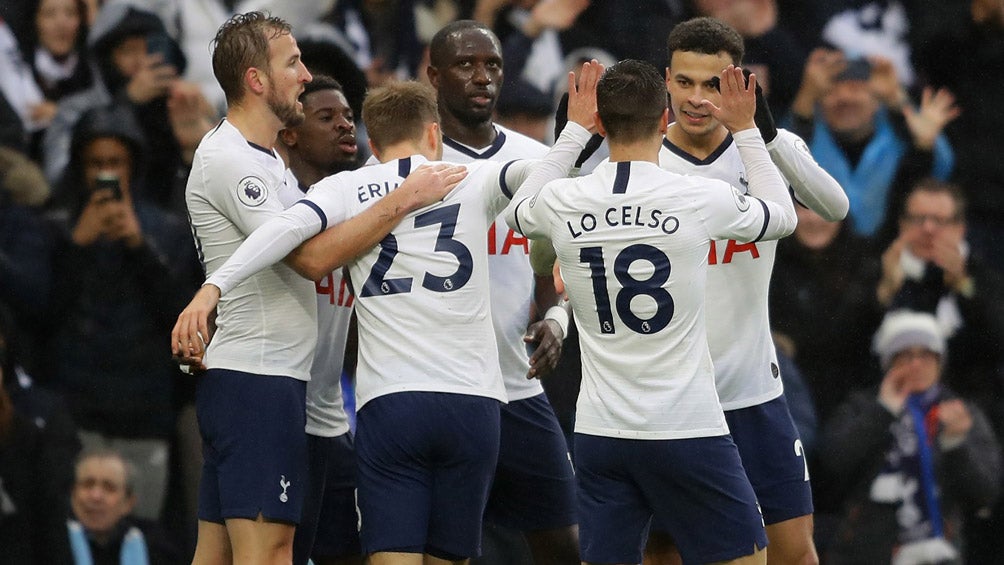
(122, 268)
(136, 66)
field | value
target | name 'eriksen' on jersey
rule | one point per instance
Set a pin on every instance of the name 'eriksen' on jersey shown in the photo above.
(374, 190)
(626, 216)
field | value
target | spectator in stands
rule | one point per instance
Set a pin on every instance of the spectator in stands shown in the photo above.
(101, 528)
(136, 66)
(822, 305)
(930, 268)
(940, 32)
(56, 53)
(121, 269)
(914, 454)
(861, 127)
(32, 482)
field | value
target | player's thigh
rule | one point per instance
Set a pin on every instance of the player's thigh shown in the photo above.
(464, 464)
(774, 459)
(338, 521)
(613, 510)
(701, 496)
(404, 442)
(254, 446)
(534, 485)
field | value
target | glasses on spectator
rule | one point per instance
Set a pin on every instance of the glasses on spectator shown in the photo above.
(921, 219)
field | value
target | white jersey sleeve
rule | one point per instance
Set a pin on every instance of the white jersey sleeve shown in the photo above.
(812, 185)
(766, 184)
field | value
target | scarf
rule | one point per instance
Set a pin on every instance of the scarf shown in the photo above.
(868, 184)
(908, 481)
(133, 550)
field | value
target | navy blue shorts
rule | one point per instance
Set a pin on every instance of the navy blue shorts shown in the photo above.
(695, 487)
(330, 524)
(426, 461)
(534, 486)
(774, 459)
(253, 445)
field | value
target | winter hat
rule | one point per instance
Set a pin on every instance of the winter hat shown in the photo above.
(903, 329)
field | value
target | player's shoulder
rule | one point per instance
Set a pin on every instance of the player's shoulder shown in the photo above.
(517, 143)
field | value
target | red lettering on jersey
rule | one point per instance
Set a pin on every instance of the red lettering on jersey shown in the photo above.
(326, 286)
(511, 239)
(731, 248)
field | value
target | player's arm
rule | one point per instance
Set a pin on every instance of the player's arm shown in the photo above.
(812, 185)
(765, 183)
(562, 156)
(345, 241)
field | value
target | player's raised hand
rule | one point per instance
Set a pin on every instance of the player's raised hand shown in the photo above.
(738, 100)
(582, 94)
(192, 331)
(548, 337)
(429, 184)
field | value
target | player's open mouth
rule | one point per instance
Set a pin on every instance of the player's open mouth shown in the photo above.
(693, 116)
(348, 146)
(481, 99)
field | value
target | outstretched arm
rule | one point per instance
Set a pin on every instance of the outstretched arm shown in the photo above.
(342, 243)
(812, 185)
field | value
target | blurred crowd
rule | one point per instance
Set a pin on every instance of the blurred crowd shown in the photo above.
(102, 104)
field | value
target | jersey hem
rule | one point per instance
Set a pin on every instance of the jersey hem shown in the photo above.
(654, 435)
(755, 401)
(427, 387)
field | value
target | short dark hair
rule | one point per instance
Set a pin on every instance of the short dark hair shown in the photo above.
(707, 36)
(399, 112)
(935, 186)
(630, 98)
(321, 82)
(439, 47)
(242, 43)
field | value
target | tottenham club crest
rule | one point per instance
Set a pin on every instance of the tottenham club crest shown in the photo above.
(252, 192)
(285, 485)
(742, 201)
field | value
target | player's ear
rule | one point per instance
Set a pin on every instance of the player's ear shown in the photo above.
(599, 125)
(288, 137)
(664, 122)
(373, 148)
(433, 137)
(254, 79)
(433, 74)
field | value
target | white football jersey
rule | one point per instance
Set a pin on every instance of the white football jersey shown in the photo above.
(326, 416)
(746, 370)
(632, 241)
(510, 278)
(268, 324)
(422, 294)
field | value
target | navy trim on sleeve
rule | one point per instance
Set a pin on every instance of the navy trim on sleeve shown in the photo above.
(766, 219)
(515, 216)
(622, 176)
(503, 183)
(404, 167)
(317, 209)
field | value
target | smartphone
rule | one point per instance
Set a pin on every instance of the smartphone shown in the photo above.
(109, 182)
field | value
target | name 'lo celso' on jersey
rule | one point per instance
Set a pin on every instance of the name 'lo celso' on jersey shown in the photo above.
(633, 241)
(231, 191)
(510, 277)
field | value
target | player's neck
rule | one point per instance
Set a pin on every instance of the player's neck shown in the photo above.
(406, 149)
(304, 172)
(478, 136)
(698, 146)
(644, 150)
(260, 128)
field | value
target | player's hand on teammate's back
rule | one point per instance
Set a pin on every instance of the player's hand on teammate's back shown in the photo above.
(548, 337)
(429, 184)
(738, 100)
(193, 331)
(582, 94)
